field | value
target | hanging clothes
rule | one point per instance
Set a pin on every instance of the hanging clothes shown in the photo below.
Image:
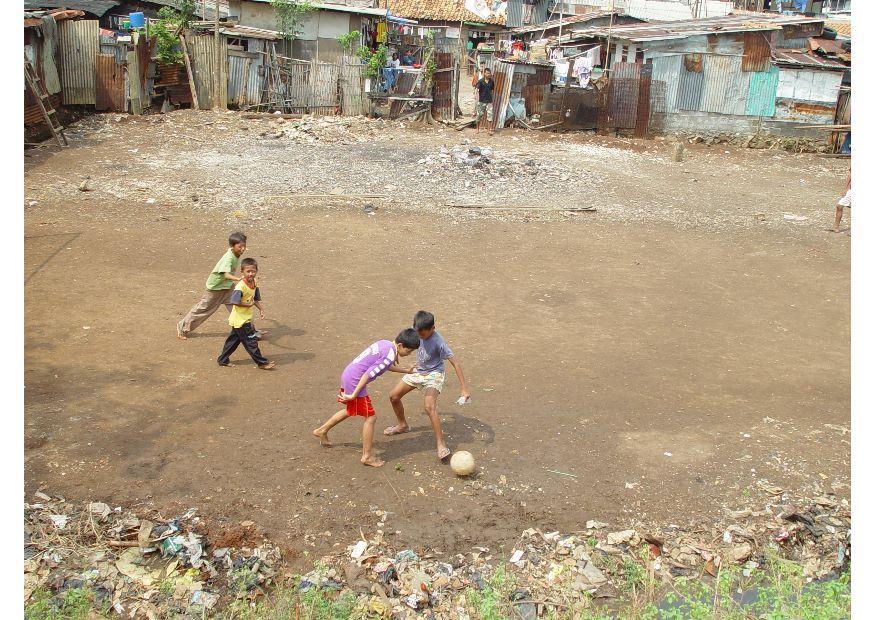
(50, 72)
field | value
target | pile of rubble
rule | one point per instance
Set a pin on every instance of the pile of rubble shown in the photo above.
(764, 141)
(325, 129)
(138, 568)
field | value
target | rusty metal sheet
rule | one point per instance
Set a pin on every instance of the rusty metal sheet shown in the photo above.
(110, 85)
(642, 118)
(442, 93)
(33, 115)
(78, 43)
(693, 62)
(757, 52)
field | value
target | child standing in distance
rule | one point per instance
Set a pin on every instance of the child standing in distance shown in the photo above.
(245, 296)
(219, 285)
(428, 376)
(378, 358)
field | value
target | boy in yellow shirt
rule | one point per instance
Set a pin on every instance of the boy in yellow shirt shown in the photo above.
(245, 296)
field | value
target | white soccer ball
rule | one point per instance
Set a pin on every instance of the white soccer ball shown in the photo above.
(462, 463)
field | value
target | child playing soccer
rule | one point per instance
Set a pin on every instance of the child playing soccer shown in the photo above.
(219, 285)
(378, 358)
(245, 296)
(428, 376)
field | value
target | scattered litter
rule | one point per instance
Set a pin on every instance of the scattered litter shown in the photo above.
(562, 473)
(789, 217)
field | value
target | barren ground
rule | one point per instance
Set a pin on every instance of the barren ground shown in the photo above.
(667, 350)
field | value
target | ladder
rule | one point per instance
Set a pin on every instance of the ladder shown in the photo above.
(42, 98)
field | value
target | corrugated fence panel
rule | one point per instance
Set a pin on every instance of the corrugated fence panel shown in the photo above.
(201, 48)
(725, 89)
(763, 89)
(667, 69)
(110, 84)
(690, 85)
(79, 44)
(255, 83)
(239, 75)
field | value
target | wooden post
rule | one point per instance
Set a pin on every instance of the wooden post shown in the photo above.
(188, 71)
(134, 83)
(217, 71)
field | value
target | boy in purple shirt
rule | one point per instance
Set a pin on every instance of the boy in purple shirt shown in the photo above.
(378, 358)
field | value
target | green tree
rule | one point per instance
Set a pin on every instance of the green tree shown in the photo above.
(289, 15)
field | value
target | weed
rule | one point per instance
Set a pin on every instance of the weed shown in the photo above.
(73, 605)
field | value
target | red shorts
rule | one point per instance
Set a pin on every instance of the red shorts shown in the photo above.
(360, 405)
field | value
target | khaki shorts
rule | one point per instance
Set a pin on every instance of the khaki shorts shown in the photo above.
(423, 381)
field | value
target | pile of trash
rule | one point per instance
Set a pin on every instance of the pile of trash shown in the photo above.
(572, 572)
(483, 163)
(136, 567)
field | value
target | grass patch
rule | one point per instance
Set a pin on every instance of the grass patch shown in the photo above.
(314, 604)
(74, 604)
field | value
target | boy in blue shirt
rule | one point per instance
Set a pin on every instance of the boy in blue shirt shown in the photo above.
(428, 375)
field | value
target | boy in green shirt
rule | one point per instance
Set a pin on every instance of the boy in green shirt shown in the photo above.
(219, 287)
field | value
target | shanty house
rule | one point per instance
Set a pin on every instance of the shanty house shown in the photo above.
(739, 73)
(317, 34)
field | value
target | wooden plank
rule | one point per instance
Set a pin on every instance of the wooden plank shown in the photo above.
(187, 60)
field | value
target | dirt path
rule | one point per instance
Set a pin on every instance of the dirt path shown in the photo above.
(667, 351)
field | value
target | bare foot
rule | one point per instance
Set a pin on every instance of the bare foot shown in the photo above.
(323, 438)
(396, 430)
(443, 453)
(180, 334)
(372, 461)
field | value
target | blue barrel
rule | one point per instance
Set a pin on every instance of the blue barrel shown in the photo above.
(138, 20)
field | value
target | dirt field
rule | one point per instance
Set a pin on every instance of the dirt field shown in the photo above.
(667, 350)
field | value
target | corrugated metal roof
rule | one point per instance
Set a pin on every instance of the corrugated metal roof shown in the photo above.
(565, 21)
(95, 7)
(437, 10)
(796, 58)
(693, 27)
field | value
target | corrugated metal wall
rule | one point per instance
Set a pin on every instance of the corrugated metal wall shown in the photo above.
(726, 87)
(690, 85)
(757, 51)
(79, 44)
(667, 69)
(515, 13)
(244, 81)
(763, 89)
